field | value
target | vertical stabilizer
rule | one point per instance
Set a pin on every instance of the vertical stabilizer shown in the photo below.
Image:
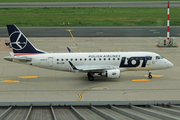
(20, 44)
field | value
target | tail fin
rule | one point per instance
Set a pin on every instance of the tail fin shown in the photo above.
(20, 44)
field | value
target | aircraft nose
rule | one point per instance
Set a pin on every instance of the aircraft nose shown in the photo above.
(170, 64)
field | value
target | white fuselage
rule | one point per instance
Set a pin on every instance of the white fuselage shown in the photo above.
(125, 61)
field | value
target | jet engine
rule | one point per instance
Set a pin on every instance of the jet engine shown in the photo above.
(114, 73)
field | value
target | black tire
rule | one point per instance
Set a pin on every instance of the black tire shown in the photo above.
(150, 76)
(91, 78)
(88, 74)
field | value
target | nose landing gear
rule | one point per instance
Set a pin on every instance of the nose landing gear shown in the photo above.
(150, 76)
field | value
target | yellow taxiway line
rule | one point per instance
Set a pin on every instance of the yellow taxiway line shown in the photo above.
(79, 94)
(141, 80)
(155, 75)
(10, 81)
(24, 77)
(74, 40)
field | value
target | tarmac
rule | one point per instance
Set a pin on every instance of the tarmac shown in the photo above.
(21, 83)
(101, 31)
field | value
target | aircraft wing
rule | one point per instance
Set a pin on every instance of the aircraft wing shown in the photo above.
(92, 68)
(97, 68)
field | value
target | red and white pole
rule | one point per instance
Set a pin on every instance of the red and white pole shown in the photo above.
(168, 23)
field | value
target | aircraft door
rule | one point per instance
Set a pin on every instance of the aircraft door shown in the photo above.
(148, 59)
(50, 61)
(153, 60)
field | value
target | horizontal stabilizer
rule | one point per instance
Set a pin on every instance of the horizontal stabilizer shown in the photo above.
(10, 58)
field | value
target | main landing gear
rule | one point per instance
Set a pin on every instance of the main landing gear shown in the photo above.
(90, 76)
(150, 76)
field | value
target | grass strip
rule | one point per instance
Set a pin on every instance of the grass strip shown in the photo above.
(89, 16)
(23, 1)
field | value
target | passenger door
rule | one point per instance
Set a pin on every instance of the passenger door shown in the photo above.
(148, 59)
(50, 61)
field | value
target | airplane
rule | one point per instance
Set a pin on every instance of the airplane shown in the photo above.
(105, 64)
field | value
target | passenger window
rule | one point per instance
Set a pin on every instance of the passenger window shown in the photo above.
(66, 59)
(84, 59)
(76, 59)
(57, 59)
(61, 59)
(99, 58)
(94, 58)
(109, 58)
(80, 59)
(71, 59)
(117, 58)
(113, 58)
(89, 59)
(104, 58)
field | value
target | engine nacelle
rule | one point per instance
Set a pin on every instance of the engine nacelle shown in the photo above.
(115, 73)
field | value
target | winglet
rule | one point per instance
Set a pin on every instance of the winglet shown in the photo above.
(73, 67)
(69, 50)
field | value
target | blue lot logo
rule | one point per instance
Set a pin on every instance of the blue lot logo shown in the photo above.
(18, 41)
(134, 61)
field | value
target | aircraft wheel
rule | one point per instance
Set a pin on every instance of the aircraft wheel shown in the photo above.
(88, 74)
(91, 78)
(150, 76)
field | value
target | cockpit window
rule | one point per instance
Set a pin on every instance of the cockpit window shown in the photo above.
(159, 57)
